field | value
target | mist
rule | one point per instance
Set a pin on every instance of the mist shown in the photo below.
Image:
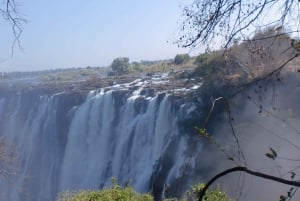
(264, 116)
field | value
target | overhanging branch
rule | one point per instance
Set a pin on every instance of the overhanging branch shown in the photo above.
(10, 13)
(250, 172)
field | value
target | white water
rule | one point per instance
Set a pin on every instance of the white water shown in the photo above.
(124, 139)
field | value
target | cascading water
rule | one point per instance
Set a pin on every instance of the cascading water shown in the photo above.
(61, 143)
(34, 139)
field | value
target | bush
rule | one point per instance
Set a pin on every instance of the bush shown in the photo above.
(115, 193)
(211, 195)
(112, 73)
(120, 65)
(181, 58)
(211, 67)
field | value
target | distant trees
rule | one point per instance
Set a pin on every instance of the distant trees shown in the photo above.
(181, 58)
(120, 65)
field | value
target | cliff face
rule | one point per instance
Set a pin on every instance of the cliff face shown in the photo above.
(78, 139)
(34, 128)
(264, 115)
(72, 137)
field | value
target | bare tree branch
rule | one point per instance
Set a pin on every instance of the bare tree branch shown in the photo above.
(10, 13)
(206, 20)
(250, 172)
(229, 115)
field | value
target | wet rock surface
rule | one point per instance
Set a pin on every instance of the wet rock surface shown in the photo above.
(148, 85)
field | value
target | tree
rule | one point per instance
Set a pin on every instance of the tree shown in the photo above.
(181, 58)
(9, 12)
(207, 21)
(120, 65)
(229, 23)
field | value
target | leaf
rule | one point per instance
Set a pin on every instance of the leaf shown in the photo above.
(273, 152)
(202, 132)
(289, 193)
(269, 155)
(293, 174)
(230, 158)
(282, 198)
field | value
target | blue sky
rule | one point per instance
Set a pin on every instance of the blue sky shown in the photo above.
(78, 33)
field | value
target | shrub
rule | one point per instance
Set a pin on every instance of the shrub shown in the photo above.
(120, 65)
(211, 67)
(181, 58)
(211, 195)
(115, 193)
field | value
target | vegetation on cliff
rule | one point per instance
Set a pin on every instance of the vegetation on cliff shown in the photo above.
(117, 193)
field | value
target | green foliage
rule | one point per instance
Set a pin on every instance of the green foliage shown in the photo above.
(203, 133)
(210, 65)
(118, 193)
(120, 65)
(181, 58)
(136, 67)
(115, 193)
(211, 140)
(219, 70)
(246, 61)
(212, 69)
(211, 195)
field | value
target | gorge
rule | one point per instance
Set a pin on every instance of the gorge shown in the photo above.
(71, 140)
(66, 137)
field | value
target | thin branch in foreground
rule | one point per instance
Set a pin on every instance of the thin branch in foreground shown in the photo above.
(229, 115)
(205, 22)
(10, 13)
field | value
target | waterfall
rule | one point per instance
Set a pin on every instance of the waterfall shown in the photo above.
(35, 142)
(59, 143)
